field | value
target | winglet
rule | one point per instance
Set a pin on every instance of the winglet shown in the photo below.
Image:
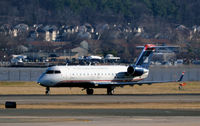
(181, 78)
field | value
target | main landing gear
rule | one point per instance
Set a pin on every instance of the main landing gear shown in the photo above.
(110, 91)
(89, 91)
(47, 92)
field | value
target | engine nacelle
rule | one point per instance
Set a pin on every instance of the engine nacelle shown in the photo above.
(135, 71)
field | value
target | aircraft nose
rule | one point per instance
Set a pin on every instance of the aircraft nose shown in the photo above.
(42, 80)
(46, 81)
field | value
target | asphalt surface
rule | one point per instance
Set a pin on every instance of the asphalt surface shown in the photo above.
(98, 112)
(140, 98)
(103, 121)
(100, 117)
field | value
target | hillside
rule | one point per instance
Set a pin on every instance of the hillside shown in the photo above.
(109, 26)
(96, 11)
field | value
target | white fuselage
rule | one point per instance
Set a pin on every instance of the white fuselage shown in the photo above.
(79, 76)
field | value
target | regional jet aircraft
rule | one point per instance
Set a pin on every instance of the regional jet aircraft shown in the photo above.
(110, 76)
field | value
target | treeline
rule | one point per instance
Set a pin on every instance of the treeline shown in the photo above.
(185, 12)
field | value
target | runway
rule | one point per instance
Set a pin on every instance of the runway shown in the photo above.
(100, 116)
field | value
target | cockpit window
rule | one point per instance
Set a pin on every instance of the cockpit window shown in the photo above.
(49, 72)
(57, 71)
(53, 72)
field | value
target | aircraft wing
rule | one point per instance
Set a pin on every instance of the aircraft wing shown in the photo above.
(139, 82)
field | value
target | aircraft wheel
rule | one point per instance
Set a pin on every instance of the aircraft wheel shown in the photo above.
(110, 91)
(90, 91)
(47, 92)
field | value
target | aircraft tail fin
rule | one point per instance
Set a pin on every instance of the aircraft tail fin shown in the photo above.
(146, 56)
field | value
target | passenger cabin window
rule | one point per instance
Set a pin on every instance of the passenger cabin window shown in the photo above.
(53, 72)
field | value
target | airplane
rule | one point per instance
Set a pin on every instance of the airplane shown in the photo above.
(104, 76)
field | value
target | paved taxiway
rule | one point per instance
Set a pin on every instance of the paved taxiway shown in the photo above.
(140, 98)
(105, 121)
(99, 117)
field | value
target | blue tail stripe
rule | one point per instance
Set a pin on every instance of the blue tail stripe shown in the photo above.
(145, 58)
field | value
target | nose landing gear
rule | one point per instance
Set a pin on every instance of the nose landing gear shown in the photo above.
(47, 92)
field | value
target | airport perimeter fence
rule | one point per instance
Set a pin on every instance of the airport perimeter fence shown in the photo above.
(191, 73)
(156, 73)
(20, 74)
